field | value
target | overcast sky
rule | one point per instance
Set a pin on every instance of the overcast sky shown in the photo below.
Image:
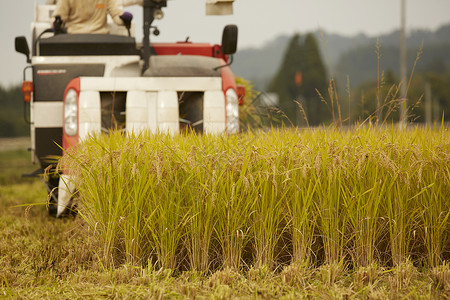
(259, 21)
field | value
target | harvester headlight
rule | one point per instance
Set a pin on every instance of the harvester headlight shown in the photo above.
(232, 109)
(71, 113)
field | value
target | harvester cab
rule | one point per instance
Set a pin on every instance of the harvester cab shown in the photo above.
(83, 84)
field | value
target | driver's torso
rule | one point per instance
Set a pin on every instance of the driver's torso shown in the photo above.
(87, 16)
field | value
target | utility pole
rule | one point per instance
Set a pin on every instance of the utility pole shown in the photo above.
(403, 69)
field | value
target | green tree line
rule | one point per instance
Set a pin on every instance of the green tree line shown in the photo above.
(12, 123)
(363, 99)
(306, 92)
(299, 82)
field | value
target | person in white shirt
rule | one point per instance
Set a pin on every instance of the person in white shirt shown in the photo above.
(88, 16)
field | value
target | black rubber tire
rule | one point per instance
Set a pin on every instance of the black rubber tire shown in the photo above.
(52, 202)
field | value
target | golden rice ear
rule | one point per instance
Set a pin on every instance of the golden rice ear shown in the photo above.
(270, 199)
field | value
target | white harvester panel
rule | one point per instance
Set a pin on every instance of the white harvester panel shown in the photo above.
(214, 112)
(138, 106)
(47, 114)
(167, 112)
(151, 103)
(89, 117)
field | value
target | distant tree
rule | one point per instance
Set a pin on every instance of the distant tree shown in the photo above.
(300, 74)
(11, 115)
(314, 79)
(365, 98)
(284, 82)
(436, 65)
(440, 89)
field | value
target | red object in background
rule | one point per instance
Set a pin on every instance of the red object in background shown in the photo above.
(298, 78)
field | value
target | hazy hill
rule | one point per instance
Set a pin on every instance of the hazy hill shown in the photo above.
(259, 64)
(360, 63)
(350, 55)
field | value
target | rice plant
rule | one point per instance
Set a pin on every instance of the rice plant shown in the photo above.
(363, 198)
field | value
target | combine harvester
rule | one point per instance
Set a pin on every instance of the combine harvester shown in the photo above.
(91, 83)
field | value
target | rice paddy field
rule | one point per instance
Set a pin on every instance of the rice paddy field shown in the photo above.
(360, 213)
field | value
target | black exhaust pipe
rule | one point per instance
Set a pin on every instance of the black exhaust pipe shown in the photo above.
(150, 6)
